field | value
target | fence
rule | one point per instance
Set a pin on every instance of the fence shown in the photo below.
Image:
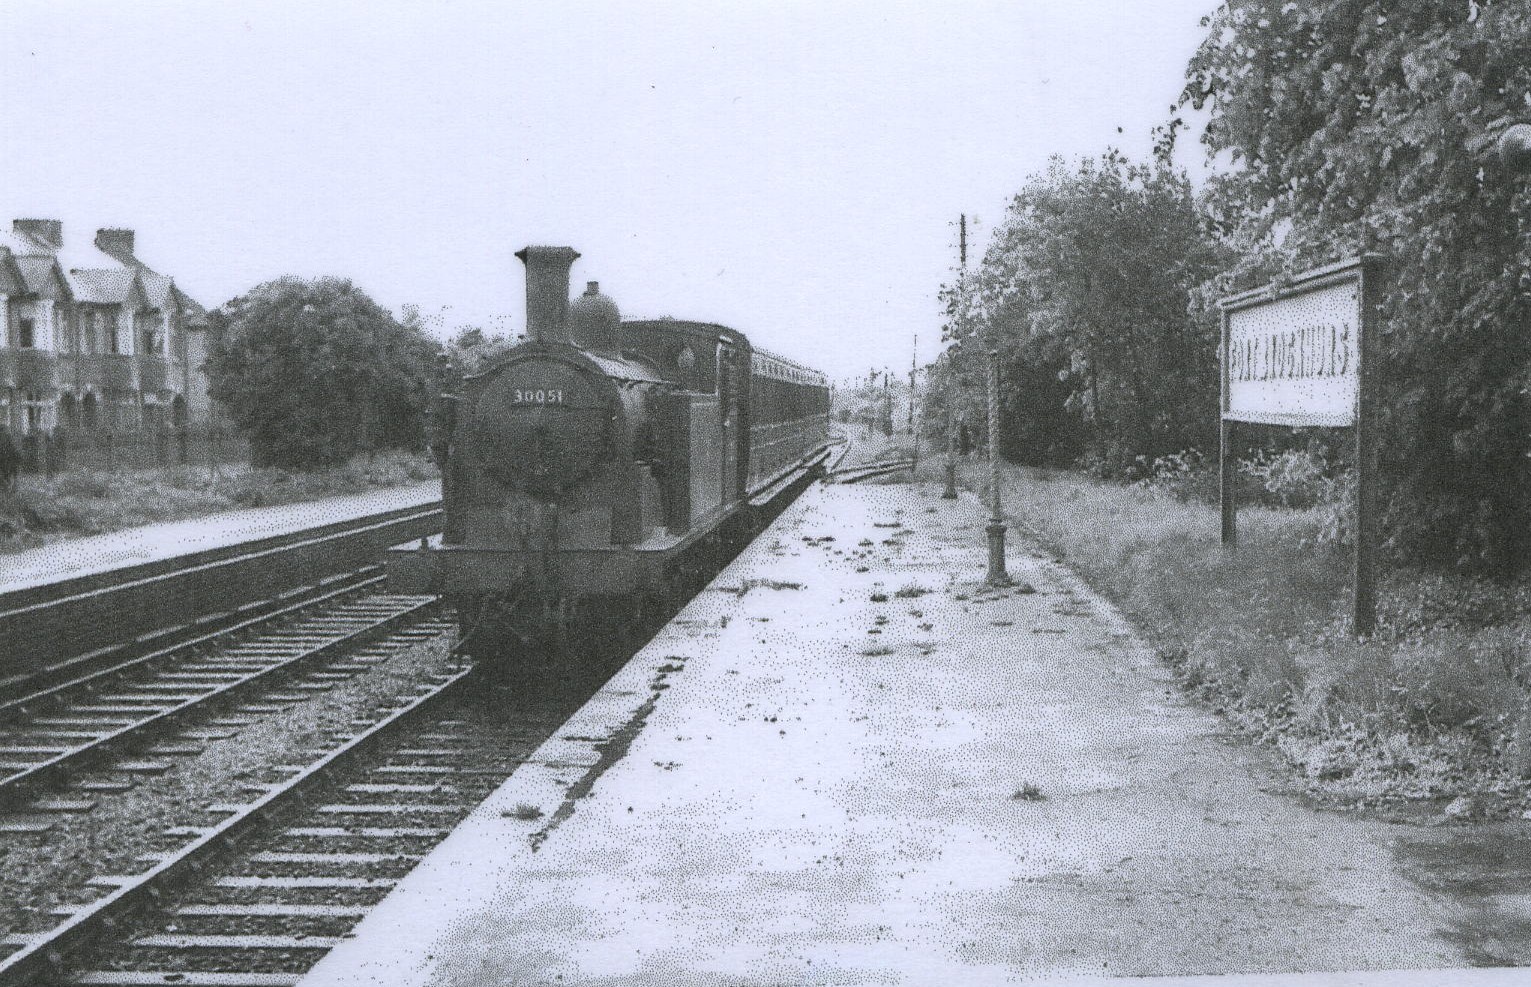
(111, 450)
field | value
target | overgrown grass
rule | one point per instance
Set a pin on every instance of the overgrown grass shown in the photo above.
(72, 504)
(1436, 704)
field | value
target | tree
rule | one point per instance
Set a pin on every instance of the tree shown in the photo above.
(313, 371)
(473, 351)
(1357, 125)
(870, 401)
(1084, 290)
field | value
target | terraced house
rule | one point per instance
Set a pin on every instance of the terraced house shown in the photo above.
(94, 339)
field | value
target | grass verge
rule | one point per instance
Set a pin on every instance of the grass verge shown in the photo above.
(1437, 705)
(73, 504)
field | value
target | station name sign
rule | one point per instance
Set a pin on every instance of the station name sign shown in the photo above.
(1303, 352)
(1292, 354)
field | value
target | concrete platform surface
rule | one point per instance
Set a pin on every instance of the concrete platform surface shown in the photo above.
(847, 762)
(72, 557)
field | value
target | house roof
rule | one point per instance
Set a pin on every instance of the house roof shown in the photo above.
(85, 258)
(19, 245)
(42, 276)
(27, 243)
(11, 282)
(159, 289)
(102, 286)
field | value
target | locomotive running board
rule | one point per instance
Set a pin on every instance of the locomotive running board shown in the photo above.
(437, 568)
(470, 569)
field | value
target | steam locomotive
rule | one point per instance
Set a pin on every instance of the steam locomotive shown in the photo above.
(602, 467)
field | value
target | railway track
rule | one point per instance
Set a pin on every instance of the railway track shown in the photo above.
(224, 830)
(866, 471)
(98, 721)
(270, 910)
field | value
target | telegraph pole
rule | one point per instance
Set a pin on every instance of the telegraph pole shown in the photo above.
(914, 367)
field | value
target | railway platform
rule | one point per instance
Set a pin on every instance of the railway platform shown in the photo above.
(849, 762)
(77, 557)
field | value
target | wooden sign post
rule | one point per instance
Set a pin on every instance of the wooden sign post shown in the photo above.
(1304, 353)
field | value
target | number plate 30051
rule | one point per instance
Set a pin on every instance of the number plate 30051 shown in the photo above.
(537, 395)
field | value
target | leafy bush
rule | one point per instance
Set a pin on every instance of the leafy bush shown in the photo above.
(1293, 478)
(1185, 476)
(313, 371)
(1365, 126)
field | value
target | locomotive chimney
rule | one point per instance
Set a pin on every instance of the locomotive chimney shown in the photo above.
(547, 292)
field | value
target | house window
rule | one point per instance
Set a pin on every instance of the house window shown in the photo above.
(26, 333)
(111, 338)
(32, 421)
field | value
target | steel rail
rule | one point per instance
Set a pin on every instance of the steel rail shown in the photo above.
(15, 788)
(212, 628)
(43, 953)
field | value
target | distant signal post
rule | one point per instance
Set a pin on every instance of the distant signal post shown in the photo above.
(1302, 353)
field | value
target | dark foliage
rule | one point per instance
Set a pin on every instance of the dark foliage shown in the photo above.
(314, 371)
(1349, 126)
(1084, 290)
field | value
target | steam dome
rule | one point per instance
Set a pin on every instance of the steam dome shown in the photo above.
(594, 320)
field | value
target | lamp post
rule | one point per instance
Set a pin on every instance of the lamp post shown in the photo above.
(374, 416)
(996, 528)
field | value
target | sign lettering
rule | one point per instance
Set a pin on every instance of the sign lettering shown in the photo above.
(1294, 360)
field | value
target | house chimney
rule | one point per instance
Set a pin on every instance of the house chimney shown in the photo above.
(547, 292)
(49, 232)
(118, 243)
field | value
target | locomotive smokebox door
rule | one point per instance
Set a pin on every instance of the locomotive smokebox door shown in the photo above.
(543, 427)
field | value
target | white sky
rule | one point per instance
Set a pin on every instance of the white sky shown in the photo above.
(790, 169)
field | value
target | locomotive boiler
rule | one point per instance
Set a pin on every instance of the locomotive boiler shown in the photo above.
(599, 471)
